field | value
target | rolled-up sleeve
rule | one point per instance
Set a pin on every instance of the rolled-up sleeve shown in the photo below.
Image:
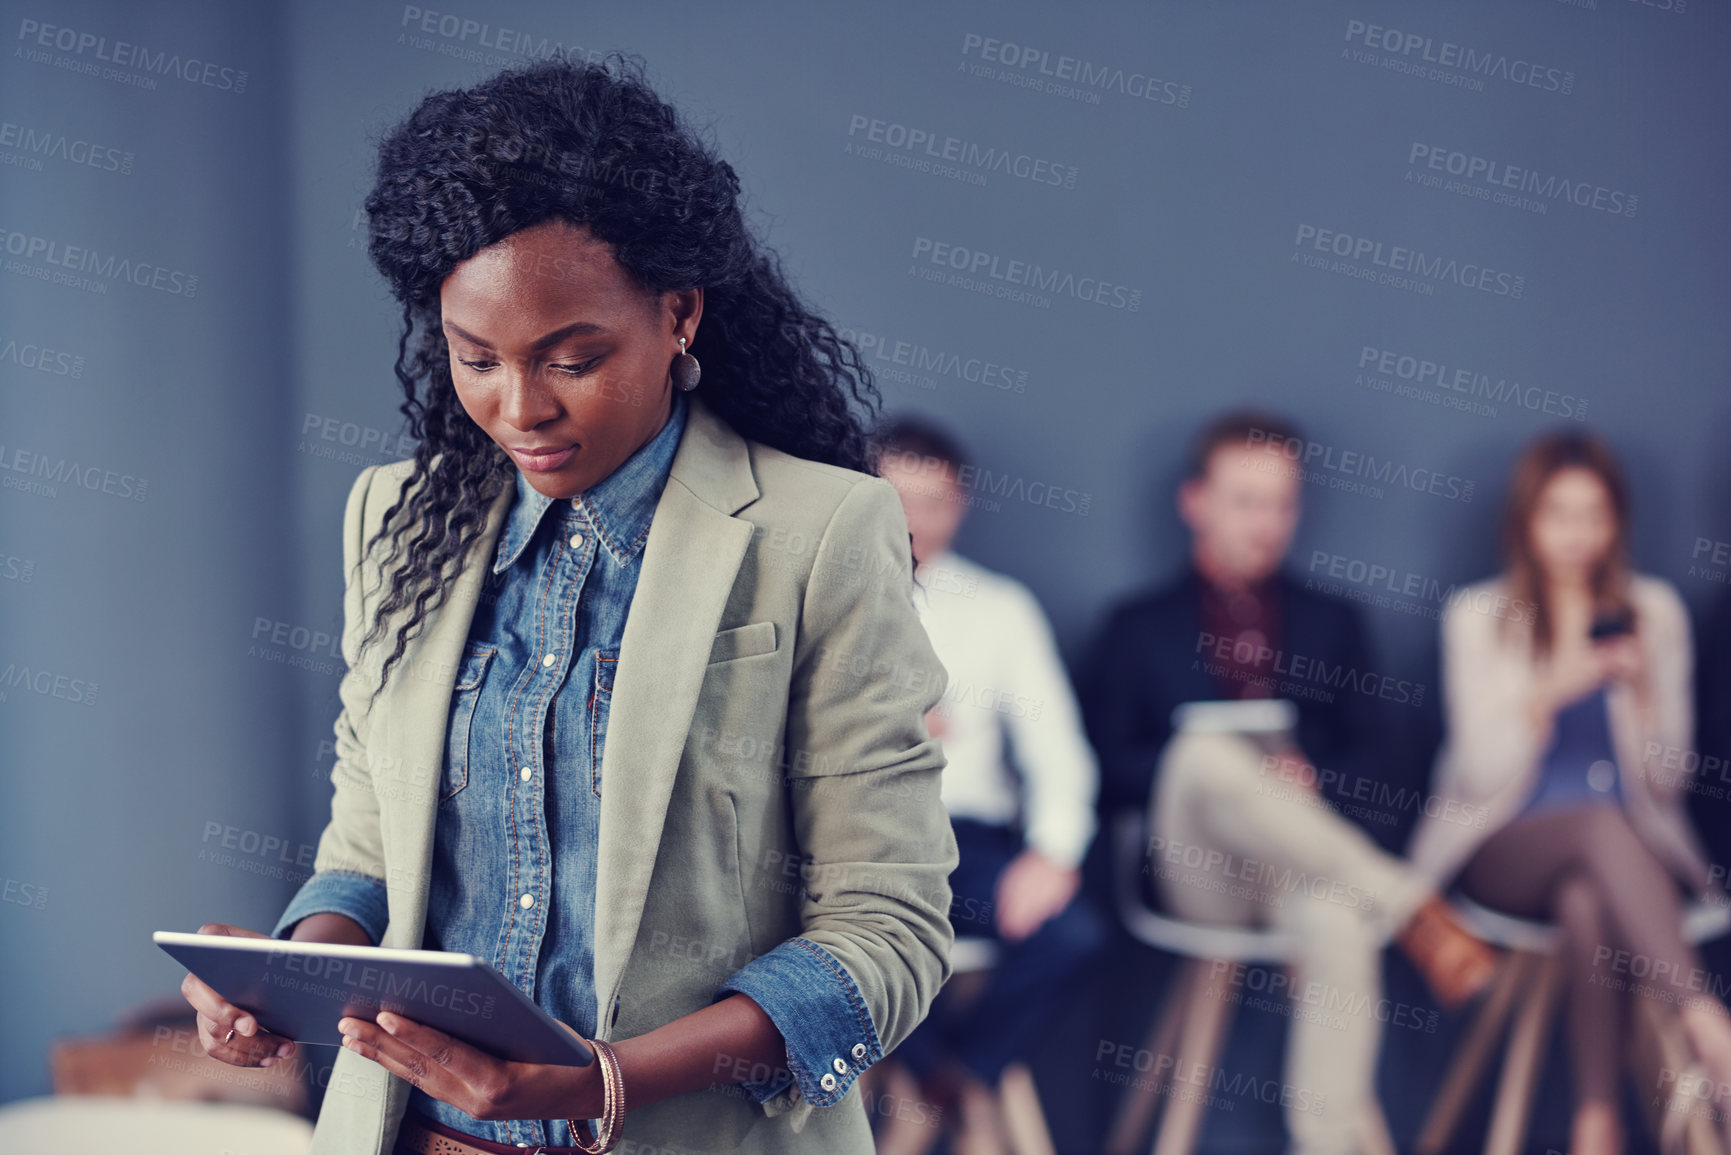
(348, 892)
(822, 1017)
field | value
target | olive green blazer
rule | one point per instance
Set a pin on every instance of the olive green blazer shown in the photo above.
(768, 728)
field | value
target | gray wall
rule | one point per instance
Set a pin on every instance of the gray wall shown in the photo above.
(202, 600)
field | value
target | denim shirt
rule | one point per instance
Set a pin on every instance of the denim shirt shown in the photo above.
(515, 843)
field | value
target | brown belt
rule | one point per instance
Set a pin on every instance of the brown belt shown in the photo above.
(420, 1135)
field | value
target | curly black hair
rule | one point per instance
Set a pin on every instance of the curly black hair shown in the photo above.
(589, 143)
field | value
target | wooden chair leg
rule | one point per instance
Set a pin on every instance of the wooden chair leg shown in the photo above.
(1024, 1121)
(1206, 1021)
(1524, 1061)
(1136, 1109)
(1658, 1045)
(1473, 1055)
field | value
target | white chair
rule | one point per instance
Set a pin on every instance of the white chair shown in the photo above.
(1526, 992)
(1195, 1021)
(150, 1126)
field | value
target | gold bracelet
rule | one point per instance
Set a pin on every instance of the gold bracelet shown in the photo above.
(612, 1103)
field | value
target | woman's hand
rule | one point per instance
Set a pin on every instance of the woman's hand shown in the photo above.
(1577, 670)
(471, 1080)
(251, 1045)
(1622, 658)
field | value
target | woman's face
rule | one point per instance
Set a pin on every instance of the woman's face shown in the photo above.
(1573, 525)
(553, 347)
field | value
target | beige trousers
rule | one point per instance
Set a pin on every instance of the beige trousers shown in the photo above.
(1235, 843)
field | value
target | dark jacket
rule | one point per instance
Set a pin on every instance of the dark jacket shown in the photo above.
(1151, 655)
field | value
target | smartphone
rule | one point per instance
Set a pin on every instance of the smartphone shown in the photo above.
(1608, 626)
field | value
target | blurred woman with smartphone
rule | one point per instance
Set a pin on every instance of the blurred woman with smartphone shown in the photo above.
(1566, 678)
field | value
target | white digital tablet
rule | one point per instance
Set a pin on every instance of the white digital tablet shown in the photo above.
(1235, 716)
(299, 990)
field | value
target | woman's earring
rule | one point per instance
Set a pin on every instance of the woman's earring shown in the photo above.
(686, 370)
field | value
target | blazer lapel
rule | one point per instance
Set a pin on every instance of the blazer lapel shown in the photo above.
(693, 552)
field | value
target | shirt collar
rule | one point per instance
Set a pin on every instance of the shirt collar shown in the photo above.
(620, 506)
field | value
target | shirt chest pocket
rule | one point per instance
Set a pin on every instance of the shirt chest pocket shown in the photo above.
(465, 695)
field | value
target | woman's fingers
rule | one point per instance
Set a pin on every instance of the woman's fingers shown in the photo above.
(443, 1067)
(260, 1050)
(249, 1044)
(230, 930)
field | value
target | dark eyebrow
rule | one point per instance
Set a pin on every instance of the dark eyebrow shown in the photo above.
(575, 329)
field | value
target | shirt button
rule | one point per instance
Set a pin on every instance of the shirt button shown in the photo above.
(576, 540)
(827, 1082)
(549, 659)
(840, 1067)
(527, 901)
(576, 504)
(859, 1050)
(528, 772)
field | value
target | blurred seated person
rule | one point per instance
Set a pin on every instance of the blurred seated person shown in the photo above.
(1709, 763)
(1242, 835)
(1561, 703)
(1019, 783)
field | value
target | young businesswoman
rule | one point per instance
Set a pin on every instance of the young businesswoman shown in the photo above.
(636, 690)
(1567, 688)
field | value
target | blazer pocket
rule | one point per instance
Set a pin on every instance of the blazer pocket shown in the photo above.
(743, 642)
(464, 696)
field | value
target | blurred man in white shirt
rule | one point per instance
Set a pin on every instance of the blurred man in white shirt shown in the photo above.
(1019, 783)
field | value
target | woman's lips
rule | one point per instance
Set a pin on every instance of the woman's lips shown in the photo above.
(543, 462)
